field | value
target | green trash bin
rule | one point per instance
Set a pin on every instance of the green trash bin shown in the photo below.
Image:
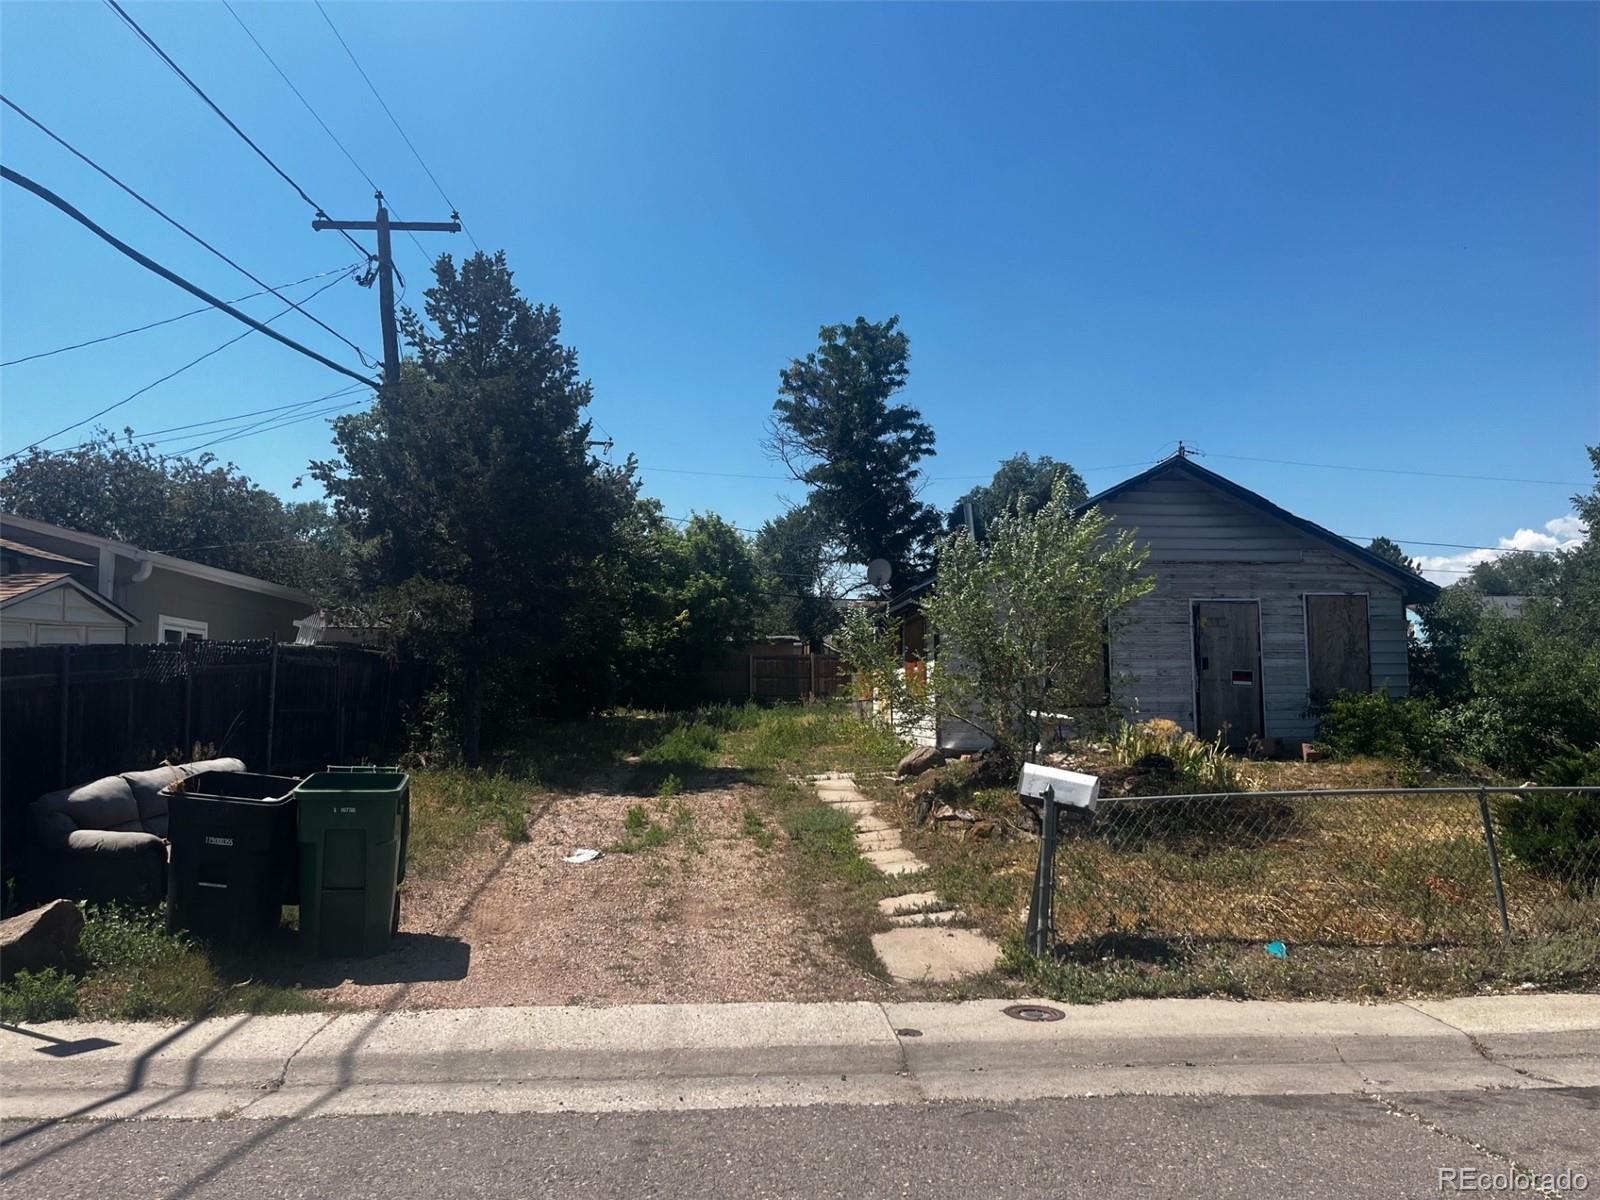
(405, 808)
(351, 825)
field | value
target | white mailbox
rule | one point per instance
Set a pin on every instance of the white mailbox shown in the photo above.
(1063, 787)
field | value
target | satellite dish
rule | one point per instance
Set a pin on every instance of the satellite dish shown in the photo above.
(878, 572)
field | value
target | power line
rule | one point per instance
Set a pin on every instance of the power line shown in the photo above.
(176, 224)
(212, 105)
(150, 264)
(151, 437)
(316, 116)
(155, 382)
(268, 426)
(395, 122)
(1461, 545)
(1284, 462)
(111, 337)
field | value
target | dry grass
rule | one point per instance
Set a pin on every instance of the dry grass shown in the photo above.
(1372, 895)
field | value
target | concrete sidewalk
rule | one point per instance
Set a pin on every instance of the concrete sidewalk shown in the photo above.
(675, 1056)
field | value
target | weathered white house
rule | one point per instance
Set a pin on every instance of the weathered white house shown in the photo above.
(1257, 615)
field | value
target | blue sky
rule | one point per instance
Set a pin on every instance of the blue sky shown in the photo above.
(1357, 235)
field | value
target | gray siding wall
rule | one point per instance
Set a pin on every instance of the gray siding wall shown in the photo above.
(1206, 545)
(229, 612)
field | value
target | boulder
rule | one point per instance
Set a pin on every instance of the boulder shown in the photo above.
(45, 937)
(923, 758)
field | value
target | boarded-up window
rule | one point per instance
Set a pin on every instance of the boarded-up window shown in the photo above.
(1338, 657)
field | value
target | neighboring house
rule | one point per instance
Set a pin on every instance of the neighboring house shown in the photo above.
(1257, 615)
(59, 586)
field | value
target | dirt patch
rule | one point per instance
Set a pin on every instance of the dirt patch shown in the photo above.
(702, 916)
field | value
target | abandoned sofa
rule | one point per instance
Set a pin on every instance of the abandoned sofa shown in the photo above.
(106, 840)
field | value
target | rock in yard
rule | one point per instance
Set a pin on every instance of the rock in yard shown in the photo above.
(45, 937)
(946, 812)
(923, 758)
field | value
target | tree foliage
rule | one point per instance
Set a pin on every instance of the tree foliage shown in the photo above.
(1529, 684)
(196, 508)
(1391, 551)
(835, 428)
(486, 533)
(695, 593)
(1018, 479)
(800, 578)
(1022, 616)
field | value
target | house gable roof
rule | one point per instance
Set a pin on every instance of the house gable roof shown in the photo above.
(24, 585)
(28, 551)
(166, 562)
(1415, 588)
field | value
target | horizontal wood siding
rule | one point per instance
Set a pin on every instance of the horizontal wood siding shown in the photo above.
(1205, 545)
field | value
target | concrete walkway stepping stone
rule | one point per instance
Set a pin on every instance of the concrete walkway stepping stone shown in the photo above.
(895, 906)
(935, 955)
(856, 808)
(912, 866)
(943, 916)
(874, 842)
(889, 858)
(871, 824)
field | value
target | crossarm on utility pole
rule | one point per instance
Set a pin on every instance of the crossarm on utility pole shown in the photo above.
(383, 226)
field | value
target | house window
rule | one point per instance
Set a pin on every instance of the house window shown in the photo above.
(1338, 654)
(177, 630)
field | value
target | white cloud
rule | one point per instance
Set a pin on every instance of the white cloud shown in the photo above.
(1560, 533)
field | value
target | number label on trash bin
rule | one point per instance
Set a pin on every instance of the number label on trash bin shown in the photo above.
(219, 841)
(345, 810)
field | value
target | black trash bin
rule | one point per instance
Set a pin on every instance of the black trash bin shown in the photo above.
(235, 858)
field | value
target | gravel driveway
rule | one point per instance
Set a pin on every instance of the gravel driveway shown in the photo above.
(707, 916)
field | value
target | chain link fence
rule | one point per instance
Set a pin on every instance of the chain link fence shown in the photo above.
(1368, 867)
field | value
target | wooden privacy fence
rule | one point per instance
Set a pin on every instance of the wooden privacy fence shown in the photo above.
(69, 714)
(776, 677)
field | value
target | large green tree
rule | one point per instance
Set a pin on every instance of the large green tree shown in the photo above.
(197, 508)
(837, 430)
(486, 532)
(1019, 478)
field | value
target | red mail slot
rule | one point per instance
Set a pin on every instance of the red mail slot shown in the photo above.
(1244, 678)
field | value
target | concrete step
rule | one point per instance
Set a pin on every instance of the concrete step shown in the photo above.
(873, 823)
(913, 866)
(894, 906)
(917, 920)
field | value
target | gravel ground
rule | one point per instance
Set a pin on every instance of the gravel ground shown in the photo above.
(705, 917)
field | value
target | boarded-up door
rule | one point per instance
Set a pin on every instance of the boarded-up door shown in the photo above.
(1338, 657)
(1227, 670)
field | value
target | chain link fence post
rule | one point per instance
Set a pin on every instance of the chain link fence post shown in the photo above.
(1494, 860)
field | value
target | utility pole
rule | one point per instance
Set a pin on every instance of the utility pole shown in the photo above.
(383, 226)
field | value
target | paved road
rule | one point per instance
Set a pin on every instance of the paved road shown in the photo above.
(1349, 1147)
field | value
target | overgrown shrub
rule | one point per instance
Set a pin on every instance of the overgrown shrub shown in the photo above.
(1194, 766)
(1474, 732)
(1558, 833)
(1370, 724)
(47, 995)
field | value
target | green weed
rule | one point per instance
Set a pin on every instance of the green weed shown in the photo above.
(756, 829)
(47, 995)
